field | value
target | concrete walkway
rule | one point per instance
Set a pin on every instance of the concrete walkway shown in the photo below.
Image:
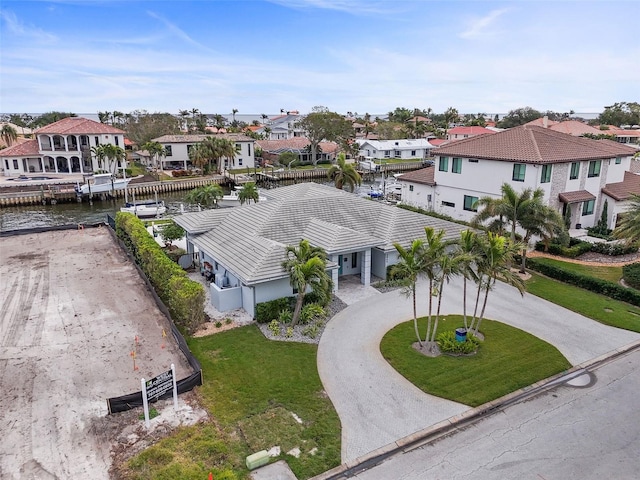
(377, 405)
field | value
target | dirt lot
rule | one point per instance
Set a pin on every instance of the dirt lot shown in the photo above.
(71, 308)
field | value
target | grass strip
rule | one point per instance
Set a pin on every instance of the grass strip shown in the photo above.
(507, 360)
(610, 273)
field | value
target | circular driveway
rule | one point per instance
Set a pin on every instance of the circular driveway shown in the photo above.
(378, 406)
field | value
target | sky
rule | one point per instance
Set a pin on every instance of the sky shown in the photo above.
(261, 56)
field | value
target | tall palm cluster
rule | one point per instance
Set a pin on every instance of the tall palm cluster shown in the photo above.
(108, 156)
(480, 259)
(629, 226)
(211, 151)
(343, 173)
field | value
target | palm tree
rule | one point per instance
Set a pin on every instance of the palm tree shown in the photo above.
(468, 246)
(113, 154)
(629, 226)
(542, 221)
(409, 269)
(343, 173)
(307, 268)
(496, 256)
(435, 247)
(8, 134)
(198, 155)
(207, 195)
(99, 154)
(248, 193)
(449, 265)
(184, 114)
(264, 117)
(233, 113)
(156, 152)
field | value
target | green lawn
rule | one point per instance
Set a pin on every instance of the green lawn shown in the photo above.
(507, 360)
(610, 273)
(597, 307)
(252, 387)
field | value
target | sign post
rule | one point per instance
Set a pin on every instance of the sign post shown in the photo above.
(175, 387)
(154, 389)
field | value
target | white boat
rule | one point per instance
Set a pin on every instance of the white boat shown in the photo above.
(102, 183)
(145, 208)
(233, 199)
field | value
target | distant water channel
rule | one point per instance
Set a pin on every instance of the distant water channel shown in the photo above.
(33, 216)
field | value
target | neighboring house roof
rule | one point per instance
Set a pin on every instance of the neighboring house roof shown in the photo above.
(195, 138)
(621, 191)
(436, 142)
(78, 126)
(474, 130)
(402, 144)
(250, 240)
(634, 166)
(531, 144)
(19, 130)
(576, 196)
(541, 122)
(295, 144)
(424, 176)
(575, 128)
(29, 148)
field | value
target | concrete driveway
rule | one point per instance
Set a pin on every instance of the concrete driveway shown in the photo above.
(377, 405)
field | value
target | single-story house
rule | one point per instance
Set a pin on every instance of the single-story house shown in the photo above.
(246, 245)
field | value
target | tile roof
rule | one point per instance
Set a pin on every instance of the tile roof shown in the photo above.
(620, 132)
(78, 126)
(621, 191)
(423, 176)
(401, 144)
(293, 144)
(576, 196)
(540, 122)
(195, 138)
(531, 144)
(575, 128)
(250, 240)
(26, 149)
(474, 130)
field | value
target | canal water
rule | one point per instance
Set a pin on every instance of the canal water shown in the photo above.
(33, 216)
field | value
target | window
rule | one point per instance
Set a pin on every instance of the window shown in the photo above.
(456, 166)
(444, 164)
(249, 149)
(168, 151)
(587, 207)
(117, 141)
(470, 203)
(413, 153)
(518, 172)
(83, 140)
(239, 162)
(397, 154)
(575, 170)
(15, 164)
(594, 168)
(6, 164)
(448, 204)
(387, 153)
(354, 260)
(97, 139)
(545, 175)
(618, 160)
(411, 188)
(238, 147)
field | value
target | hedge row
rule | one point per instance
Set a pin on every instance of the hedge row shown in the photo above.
(631, 275)
(183, 297)
(578, 247)
(603, 287)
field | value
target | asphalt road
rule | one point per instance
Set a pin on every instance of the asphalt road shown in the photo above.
(588, 432)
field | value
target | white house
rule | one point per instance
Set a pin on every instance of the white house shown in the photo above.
(246, 245)
(282, 127)
(177, 150)
(572, 172)
(381, 149)
(63, 147)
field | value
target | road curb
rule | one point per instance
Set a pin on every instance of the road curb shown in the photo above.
(451, 424)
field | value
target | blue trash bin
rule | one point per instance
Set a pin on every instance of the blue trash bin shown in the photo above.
(461, 335)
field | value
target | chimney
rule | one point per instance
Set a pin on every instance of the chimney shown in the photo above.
(545, 121)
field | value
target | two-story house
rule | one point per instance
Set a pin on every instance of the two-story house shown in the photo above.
(63, 147)
(405, 148)
(572, 172)
(177, 149)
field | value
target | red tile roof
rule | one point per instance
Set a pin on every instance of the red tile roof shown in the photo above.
(475, 130)
(436, 142)
(539, 122)
(26, 149)
(620, 132)
(575, 128)
(78, 126)
(531, 144)
(424, 176)
(576, 196)
(621, 191)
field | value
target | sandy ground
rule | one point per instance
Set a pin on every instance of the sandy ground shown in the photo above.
(71, 306)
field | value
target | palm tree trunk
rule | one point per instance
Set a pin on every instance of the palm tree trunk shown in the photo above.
(475, 308)
(464, 302)
(435, 325)
(298, 309)
(415, 316)
(426, 338)
(524, 260)
(484, 306)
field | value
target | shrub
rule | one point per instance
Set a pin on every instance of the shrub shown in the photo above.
(575, 249)
(631, 275)
(448, 343)
(394, 274)
(597, 285)
(312, 329)
(613, 249)
(311, 313)
(218, 324)
(183, 297)
(274, 326)
(175, 254)
(267, 311)
(285, 316)
(289, 332)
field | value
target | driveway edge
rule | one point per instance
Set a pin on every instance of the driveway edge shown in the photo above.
(452, 424)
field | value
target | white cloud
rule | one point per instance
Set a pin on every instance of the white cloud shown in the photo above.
(480, 27)
(26, 32)
(349, 6)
